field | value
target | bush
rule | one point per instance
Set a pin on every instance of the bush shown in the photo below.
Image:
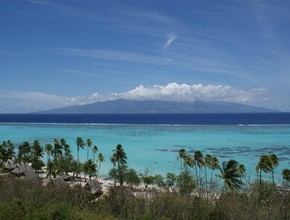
(132, 178)
(185, 183)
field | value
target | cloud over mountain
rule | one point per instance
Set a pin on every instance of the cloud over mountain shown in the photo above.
(36, 101)
(181, 92)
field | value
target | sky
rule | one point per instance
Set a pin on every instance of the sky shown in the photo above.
(56, 53)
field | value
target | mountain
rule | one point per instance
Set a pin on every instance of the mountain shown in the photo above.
(121, 106)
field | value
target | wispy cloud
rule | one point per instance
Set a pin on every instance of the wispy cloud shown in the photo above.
(37, 96)
(171, 37)
(16, 101)
(114, 55)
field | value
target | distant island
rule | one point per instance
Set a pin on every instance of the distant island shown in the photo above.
(122, 106)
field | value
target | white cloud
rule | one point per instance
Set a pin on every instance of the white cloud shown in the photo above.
(171, 37)
(184, 92)
(181, 92)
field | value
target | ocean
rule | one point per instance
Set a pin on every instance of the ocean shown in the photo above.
(152, 141)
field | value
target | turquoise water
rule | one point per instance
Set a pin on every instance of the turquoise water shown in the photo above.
(156, 146)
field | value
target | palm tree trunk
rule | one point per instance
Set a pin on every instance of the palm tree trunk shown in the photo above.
(273, 178)
(78, 162)
(260, 180)
(205, 179)
(88, 154)
(196, 175)
(98, 170)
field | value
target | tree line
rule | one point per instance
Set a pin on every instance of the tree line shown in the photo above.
(60, 161)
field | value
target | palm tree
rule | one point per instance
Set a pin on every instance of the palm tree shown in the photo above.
(89, 144)
(113, 171)
(18, 160)
(80, 144)
(67, 152)
(90, 167)
(264, 165)
(37, 153)
(215, 163)
(121, 160)
(10, 150)
(208, 163)
(182, 156)
(242, 170)
(63, 144)
(49, 150)
(67, 156)
(231, 175)
(100, 160)
(286, 175)
(51, 169)
(6, 152)
(3, 154)
(274, 162)
(188, 162)
(24, 151)
(94, 150)
(198, 162)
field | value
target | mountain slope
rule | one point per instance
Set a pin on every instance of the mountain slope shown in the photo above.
(151, 106)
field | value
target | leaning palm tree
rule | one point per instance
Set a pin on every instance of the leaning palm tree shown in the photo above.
(88, 144)
(182, 157)
(198, 162)
(188, 162)
(242, 170)
(274, 162)
(264, 165)
(94, 150)
(215, 166)
(208, 163)
(100, 160)
(231, 175)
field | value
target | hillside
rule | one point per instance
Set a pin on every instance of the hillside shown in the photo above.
(151, 106)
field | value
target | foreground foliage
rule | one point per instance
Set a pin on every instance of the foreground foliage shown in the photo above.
(23, 199)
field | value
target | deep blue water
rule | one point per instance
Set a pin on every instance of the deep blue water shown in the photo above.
(184, 119)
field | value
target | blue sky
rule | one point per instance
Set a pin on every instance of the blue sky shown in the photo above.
(56, 53)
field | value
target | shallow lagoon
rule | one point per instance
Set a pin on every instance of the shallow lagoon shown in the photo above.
(156, 146)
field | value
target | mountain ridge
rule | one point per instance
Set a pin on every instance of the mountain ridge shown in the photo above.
(120, 106)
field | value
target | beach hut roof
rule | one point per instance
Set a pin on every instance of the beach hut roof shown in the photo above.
(22, 168)
(10, 165)
(59, 181)
(94, 186)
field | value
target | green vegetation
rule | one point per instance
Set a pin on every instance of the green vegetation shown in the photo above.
(188, 195)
